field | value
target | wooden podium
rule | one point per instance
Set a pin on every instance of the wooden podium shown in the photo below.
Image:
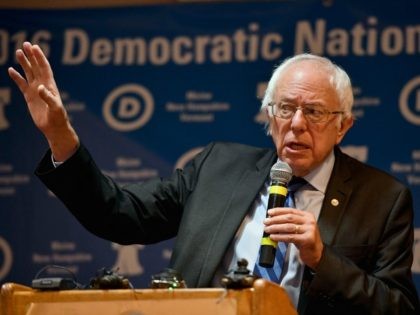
(264, 298)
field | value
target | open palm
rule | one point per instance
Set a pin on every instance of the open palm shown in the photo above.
(39, 89)
(43, 100)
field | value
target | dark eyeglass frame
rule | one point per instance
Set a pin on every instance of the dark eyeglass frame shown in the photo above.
(309, 111)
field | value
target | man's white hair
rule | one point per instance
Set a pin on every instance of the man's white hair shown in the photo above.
(339, 80)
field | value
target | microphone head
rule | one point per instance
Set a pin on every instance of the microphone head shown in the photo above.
(281, 172)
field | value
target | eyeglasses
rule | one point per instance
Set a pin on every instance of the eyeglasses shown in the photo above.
(314, 113)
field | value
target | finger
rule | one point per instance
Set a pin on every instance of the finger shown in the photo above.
(286, 238)
(285, 219)
(42, 61)
(292, 238)
(24, 63)
(300, 229)
(28, 49)
(47, 96)
(18, 79)
(285, 211)
(294, 229)
(282, 229)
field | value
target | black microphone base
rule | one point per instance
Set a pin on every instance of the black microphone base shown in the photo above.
(267, 256)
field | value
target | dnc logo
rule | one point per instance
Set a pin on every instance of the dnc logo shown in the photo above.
(6, 258)
(4, 100)
(128, 107)
(410, 101)
(416, 261)
(187, 157)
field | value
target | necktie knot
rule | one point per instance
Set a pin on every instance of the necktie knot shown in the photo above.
(296, 183)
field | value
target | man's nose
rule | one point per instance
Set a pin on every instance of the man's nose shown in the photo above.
(299, 120)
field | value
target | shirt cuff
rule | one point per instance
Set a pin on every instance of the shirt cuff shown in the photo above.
(55, 163)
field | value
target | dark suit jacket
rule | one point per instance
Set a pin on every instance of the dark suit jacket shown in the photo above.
(365, 267)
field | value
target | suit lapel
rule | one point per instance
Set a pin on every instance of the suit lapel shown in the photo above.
(336, 198)
(238, 206)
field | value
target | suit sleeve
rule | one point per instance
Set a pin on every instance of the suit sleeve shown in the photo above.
(138, 213)
(382, 287)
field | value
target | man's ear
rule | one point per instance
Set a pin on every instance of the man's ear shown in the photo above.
(344, 126)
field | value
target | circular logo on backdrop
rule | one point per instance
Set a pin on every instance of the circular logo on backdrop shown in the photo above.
(416, 260)
(6, 258)
(128, 107)
(410, 101)
(187, 156)
(4, 100)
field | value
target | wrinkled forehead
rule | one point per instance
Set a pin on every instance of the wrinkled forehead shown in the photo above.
(308, 81)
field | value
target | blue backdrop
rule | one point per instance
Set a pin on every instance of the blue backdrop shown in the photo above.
(147, 87)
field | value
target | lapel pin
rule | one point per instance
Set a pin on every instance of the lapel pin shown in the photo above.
(335, 202)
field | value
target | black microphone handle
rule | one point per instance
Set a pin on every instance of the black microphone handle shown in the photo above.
(276, 198)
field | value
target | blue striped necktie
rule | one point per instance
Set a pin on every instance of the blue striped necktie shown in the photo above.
(274, 274)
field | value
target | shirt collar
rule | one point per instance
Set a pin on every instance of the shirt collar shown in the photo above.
(320, 176)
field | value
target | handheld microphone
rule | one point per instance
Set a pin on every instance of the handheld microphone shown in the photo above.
(280, 175)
